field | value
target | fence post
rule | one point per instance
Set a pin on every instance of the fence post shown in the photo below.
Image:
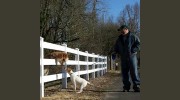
(93, 66)
(112, 63)
(87, 66)
(77, 59)
(101, 66)
(106, 63)
(98, 72)
(41, 67)
(64, 74)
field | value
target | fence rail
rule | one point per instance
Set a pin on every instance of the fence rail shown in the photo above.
(101, 64)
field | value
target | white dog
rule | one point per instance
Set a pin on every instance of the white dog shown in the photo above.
(74, 78)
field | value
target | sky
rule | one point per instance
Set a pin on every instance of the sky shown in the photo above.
(114, 7)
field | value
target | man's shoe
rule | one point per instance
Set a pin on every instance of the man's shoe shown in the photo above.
(136, 89)
(125, 90)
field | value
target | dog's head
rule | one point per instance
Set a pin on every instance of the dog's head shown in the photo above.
(68, 70)
(60, 56)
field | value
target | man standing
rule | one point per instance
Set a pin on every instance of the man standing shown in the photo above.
(127, 45)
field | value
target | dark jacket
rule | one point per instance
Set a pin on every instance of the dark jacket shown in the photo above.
(129, 47)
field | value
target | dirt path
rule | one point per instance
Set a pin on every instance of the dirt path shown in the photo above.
(107, 87)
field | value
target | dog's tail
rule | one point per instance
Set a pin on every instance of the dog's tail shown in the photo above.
(90, 83)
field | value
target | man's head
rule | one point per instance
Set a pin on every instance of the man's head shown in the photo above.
(123, 29)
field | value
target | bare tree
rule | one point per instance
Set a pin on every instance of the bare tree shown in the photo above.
(130, 16)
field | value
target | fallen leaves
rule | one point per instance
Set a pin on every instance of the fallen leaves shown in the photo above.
(90, 92)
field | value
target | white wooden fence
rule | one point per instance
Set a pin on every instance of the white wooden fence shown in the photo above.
(101, 63)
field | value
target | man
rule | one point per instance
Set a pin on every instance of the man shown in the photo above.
(127, 45)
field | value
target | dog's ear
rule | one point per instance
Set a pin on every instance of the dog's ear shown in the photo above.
(68, 68)
(51, 54)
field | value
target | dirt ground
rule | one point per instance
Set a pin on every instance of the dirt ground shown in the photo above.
(96, 92)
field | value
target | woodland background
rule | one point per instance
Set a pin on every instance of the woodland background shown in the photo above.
(84, 24)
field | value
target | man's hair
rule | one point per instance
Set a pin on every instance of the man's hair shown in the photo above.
(123, 27)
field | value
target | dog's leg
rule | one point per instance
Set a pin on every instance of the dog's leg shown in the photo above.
(74, 82)
(59, 60)
(81, 88)
(56, 61)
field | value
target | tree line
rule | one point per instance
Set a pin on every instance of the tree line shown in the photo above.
(83, 24)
